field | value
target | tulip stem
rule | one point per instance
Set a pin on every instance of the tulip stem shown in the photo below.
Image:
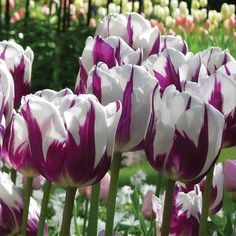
(167, 207)
(85, 216)
(111, 202)
(44, 208)
(28, 192)
(158, 184)
(68, 211)
(206, 203)
(93, 213)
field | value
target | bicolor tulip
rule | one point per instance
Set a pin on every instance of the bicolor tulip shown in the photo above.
(38, 182)
(185, 214)
(71, 138)
(113, 51)
(213, 58)
(132, 85)
(220, 91)
(147, 206)
(19, 63)
(11, 202)
(182, 126)
(7, 92)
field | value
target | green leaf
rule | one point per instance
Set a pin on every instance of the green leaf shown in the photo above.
(228, 230)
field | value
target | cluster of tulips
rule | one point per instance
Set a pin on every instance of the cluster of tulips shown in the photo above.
(136, 89)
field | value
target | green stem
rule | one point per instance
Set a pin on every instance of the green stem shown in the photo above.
(44, 208)
(111, 202)
(167, 207)
(93, 213)
(205, 203)
(68, 210)
(13, 175)
(28, 192)
(77, 230)
(158, 184)
(85, 216)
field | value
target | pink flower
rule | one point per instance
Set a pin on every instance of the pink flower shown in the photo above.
(147, 207)
(92, 22)
(229, 175)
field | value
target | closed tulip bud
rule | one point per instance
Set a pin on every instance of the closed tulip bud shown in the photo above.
(72, 141)
(203, 3)
(174, 4)
(132, 85)
(195, 4)
(6, 93)
(229, 175)
(147, 206)
(183, 5)
(112, 50)
(185, 125)
(19, 63)
(38, 182)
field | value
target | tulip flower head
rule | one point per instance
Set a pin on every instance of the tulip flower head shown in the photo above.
(72, 141)
(181, 126)
(229, 175)
(19, 63)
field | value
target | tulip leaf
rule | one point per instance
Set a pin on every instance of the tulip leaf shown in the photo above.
(228, 230)
(151, 228)
(136, 209)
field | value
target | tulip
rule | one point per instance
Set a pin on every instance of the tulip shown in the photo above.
(19, 63)
(229, 175)
(74, 128)
(132, 85)
(213, 58)
(186, 207)
(219, 90)
(7, 92)
(113, 51)
(147, 206)
(12, 209)
(128, 26)
(180, 124)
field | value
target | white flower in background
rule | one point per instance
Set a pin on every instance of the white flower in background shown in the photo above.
(174, 4)
(124, 196)
(138, 178)
(203, 3)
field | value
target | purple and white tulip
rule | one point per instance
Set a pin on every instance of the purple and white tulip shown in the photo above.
(213, 58)
(11, 205)
(71, 138)
(19, 63)
(132, 85)
(182, 126)
(220, 91)
(112, 50)
(186, 207)
(38, 182)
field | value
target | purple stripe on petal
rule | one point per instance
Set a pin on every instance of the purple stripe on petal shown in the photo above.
(117, 54)
(227, 70)
(156, 46)
(123, 130)
(130, 31)
(216, 99)
(22, 86)
(188, 106)
(96, 85)
(184, 48)
(229, 136)
(103, 52)
(82, 86)
(187, 158)
(3, 54)
(196, 75)
(171, 76)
